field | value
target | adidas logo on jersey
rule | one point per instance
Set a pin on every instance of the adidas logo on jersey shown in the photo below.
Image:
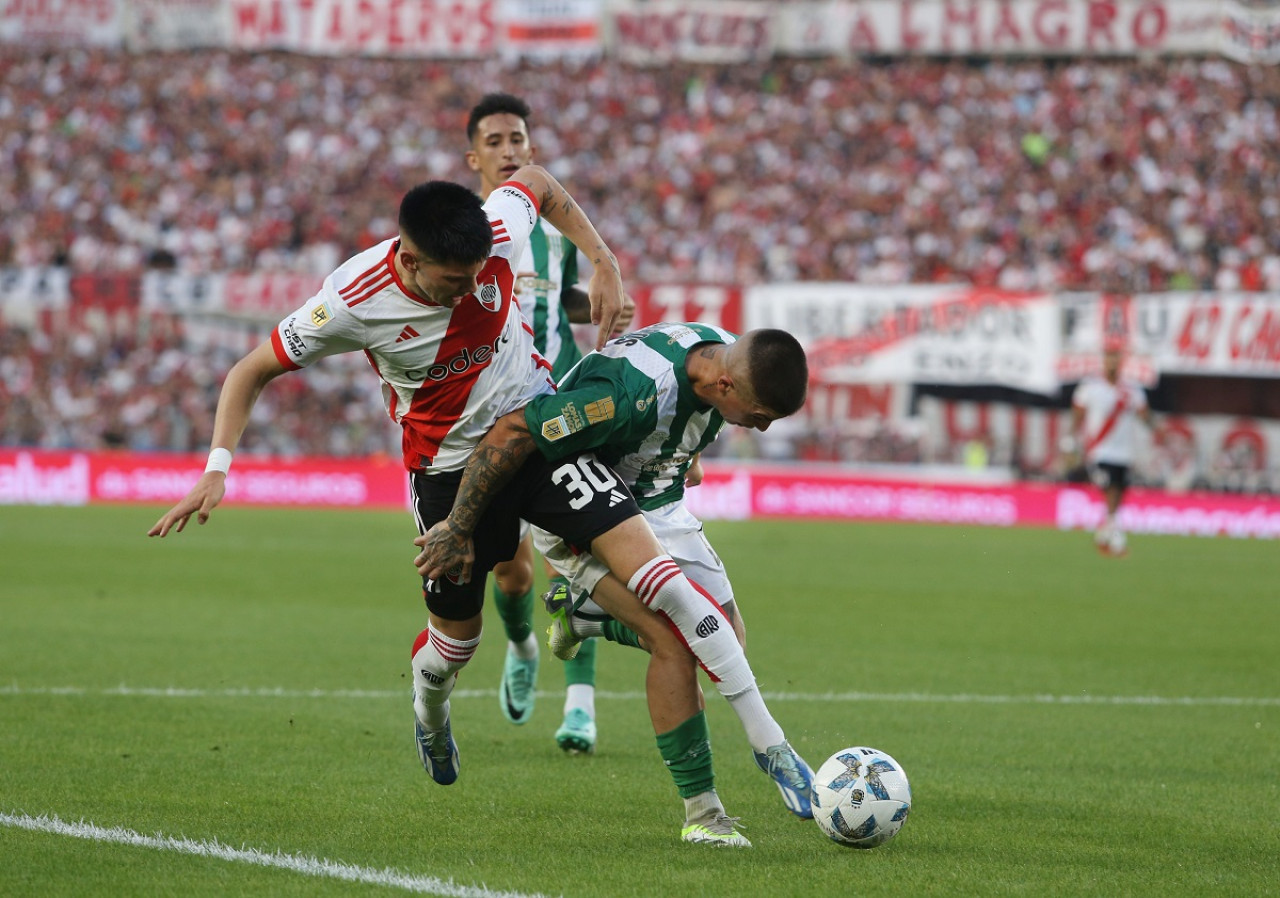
(407, 334)
(615, 497)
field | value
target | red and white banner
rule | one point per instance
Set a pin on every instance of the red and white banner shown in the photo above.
(552, 28)
(1220, 334)
(427, 28)
(176, 24)
(652, 32)
(25, 291)
(1250, 34)
(1057, 27)
(61, 23)
(259, 296)
(916, 334)
(708, 303)
(1222, 451)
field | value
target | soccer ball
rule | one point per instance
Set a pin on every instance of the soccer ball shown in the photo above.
(861, 797)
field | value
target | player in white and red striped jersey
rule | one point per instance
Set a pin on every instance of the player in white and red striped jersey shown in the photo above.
(434, 312)
(448, 371)
(1104, 414)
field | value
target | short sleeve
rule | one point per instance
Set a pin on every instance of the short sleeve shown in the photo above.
(513, 212)
(594, 413)
(323, 326)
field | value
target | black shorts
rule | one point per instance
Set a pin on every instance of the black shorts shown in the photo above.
(577, 498)
(1111, 476)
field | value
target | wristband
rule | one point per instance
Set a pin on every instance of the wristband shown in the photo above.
(219, 460)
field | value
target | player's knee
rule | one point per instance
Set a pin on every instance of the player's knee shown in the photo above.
(514, 578)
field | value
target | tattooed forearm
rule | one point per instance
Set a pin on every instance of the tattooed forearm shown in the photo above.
(491, 466)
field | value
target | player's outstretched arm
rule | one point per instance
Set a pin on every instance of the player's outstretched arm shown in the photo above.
(495, 460)
(558, 207)
(240, 391)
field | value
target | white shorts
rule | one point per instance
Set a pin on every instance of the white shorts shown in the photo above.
(678, 532)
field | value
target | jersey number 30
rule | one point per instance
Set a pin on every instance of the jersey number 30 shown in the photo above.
(583, 478)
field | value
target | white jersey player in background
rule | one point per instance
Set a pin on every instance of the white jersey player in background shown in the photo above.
(1104, 414)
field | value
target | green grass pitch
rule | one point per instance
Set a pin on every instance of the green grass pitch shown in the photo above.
(1071, 724)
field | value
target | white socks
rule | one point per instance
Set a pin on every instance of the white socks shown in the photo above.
(436, 662)
(665, 589)
(582, 697)
(524, 650)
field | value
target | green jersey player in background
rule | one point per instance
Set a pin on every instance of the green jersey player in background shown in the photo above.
(551, 301)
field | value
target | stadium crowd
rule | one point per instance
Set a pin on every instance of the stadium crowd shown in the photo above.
(1122, 175)
(1113, 175)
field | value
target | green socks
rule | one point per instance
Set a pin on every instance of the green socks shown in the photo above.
(516, 613)
(618, 632)
(687, 753)
(581, 669)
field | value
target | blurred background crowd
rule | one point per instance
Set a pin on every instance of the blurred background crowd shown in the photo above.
(1116, 175)
(1122, 175)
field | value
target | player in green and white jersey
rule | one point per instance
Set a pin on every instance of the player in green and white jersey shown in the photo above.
(649, 403)
(551, 301)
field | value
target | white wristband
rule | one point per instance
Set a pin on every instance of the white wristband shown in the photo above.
(219, 460)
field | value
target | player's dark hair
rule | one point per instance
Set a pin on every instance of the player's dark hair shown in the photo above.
(779, 370)
(447, 222)
(496, 104)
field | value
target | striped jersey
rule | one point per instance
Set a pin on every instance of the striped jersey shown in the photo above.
(633, 404)
(1109, 413)
(553, 259)
(447, 374)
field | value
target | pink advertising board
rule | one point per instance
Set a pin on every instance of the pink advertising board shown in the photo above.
(729, 492)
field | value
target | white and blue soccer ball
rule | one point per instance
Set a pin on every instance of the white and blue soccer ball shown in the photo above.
(861, 797)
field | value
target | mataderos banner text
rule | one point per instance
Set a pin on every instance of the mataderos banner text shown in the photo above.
(655, 31)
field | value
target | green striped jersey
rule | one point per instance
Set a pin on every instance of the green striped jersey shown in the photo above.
(553, 259)
(633, 404)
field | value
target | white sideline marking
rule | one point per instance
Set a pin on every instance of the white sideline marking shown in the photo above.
(310, 866)
(963, 698)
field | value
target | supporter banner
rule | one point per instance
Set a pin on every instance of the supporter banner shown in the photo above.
(551, 28)
(176, 24)
(428, 28)
(182, 293)
(1089, 322)
(95, 23)
(916, 334)
(708, 303)
(1221, 334)
(655, 31)
(253, 295)
(80, 478)
(1250, 34)
(1211, 333)
(1071, 27)
(651, 32)
(24, 291)
(1184, 452)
